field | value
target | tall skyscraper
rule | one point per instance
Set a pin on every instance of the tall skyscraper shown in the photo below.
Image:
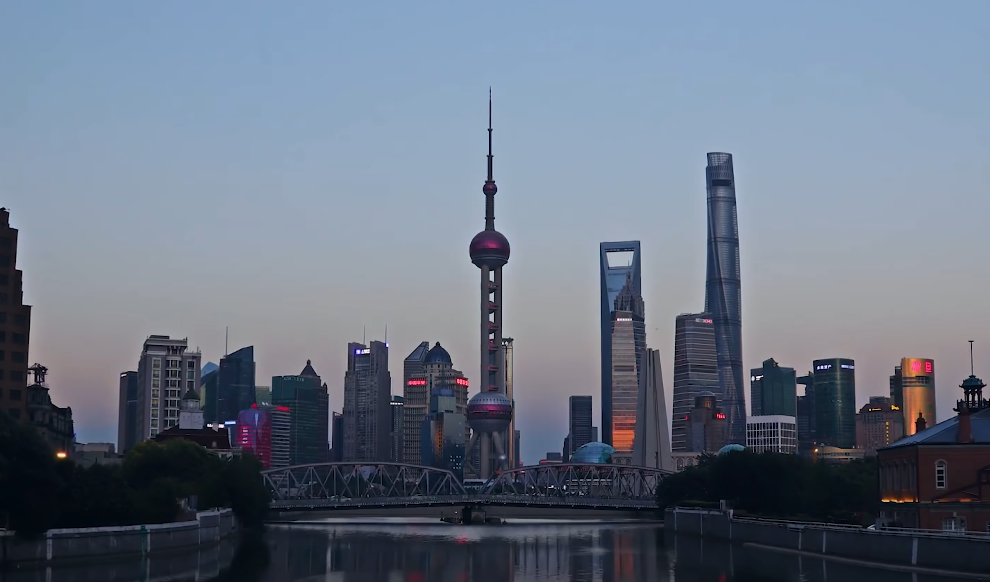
(628, 350)
(309, 408)
(517, 438)
(15, 323)
(579, 423)
(695, 371)
(490, 411)
(620, 266)
(127, 412)
(652, 445)
(415, 403)
(773, 390)
(337, 437)
(167, 369)
(397, 429)
(913, 390)
(511, 451)
(835, 402)
(367, 403)
(235, 384)
(723, 297)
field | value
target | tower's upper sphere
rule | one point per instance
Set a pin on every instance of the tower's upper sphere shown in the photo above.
(489, 248)
(489, 412)
(489, 188)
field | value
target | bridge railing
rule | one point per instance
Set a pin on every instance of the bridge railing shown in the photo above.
(459, 500)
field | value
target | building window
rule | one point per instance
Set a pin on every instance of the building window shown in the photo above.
(15, 394)
(172, 373)
(191, 364)
(190, 374)
(16, 375)
(173, 363)
(156, 363)
(954, 524)
(17, 357)
(156, 373)
(156, 383)
(20, 338)
(940, 475)
(190, 385)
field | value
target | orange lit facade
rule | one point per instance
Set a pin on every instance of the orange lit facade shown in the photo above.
(914, 392)
(939, 478)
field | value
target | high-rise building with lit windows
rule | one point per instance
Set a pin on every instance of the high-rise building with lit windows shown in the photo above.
(167, 369)
(835, 402)
(367, 403)
(879, 423)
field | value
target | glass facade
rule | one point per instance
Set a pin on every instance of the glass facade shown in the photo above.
(773, 390)
(628, 350)
(307, 398)
(917, 393)
(579, 423)
(619, 262)
(835, 402)
(695, 371)
(595, 453)
(723, 298)
(367, 403)
(235, 384)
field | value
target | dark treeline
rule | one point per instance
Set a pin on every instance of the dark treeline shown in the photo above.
(776, 485)
(39, 492)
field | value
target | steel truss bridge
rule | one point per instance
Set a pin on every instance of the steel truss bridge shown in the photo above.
(332, 486)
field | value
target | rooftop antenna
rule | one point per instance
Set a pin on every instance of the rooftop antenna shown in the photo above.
(226, 340)
(971, 369)
(386, 335)
(364, 335)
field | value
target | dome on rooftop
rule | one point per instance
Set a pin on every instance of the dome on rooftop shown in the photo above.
(438, 355)
(731, 449)
(593, 453)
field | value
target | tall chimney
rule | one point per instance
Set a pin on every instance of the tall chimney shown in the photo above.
(965, 426)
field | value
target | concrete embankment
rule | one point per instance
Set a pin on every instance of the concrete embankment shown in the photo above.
(96, 543)
(917, 549)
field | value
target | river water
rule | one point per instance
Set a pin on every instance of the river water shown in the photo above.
(420, 550)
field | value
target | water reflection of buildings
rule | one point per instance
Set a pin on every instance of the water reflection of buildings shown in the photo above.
(427, 553)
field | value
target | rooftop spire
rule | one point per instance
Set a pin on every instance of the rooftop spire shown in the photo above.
(972, 370)
(490, 177)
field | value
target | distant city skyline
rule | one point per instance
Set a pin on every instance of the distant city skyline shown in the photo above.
(304, 207)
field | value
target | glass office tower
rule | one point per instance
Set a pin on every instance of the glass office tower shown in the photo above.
(620, 268)
(773, 390)
(695, 371)
(835, 402)
(723, 298)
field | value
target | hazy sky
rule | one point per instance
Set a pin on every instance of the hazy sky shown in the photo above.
(300, 170)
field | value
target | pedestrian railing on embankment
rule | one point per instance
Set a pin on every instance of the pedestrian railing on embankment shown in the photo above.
(948, 550)
(96, 542)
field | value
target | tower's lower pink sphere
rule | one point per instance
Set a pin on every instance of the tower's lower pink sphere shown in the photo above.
(489, 248)
(489, 412)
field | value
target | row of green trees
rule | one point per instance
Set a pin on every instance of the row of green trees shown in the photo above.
(776, 485)
(39, 492)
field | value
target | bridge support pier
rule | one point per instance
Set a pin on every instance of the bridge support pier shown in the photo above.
(466, 514)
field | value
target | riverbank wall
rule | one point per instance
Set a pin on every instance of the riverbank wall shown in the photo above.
(95, 543)
(953, 551)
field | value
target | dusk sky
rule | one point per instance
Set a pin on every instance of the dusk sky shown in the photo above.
(299, 171)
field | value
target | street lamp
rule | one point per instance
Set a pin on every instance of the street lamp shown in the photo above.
(61, 455)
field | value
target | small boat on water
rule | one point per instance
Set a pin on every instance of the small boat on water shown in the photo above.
(472, 518)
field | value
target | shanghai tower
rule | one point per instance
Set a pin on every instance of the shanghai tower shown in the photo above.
(723, 298)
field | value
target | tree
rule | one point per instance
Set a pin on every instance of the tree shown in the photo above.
(29, 480)
(249, 498)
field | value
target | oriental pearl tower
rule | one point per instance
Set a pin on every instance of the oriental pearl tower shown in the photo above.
(490, 411)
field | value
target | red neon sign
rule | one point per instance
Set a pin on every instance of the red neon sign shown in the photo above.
(916, 366)
(720, 416)
(929, 366)
(416, 383)
(462, 381)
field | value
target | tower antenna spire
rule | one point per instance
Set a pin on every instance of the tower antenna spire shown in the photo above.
(491, 178)
(972, 370)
